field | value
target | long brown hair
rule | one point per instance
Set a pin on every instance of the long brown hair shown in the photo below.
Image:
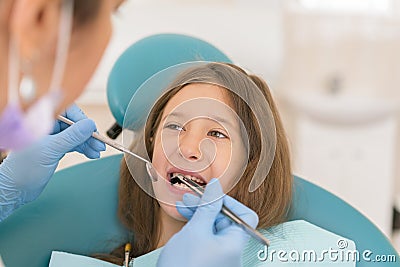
(139, 212)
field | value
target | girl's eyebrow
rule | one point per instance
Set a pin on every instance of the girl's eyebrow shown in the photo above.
(173, 114)
(213, 117)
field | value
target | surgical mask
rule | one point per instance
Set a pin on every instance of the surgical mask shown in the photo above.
(18, 128)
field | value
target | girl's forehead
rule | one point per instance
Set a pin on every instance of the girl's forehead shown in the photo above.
(199, 90)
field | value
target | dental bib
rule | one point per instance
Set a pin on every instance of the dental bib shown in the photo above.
(293, 238)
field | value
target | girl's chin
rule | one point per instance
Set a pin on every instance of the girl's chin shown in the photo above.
(172, 212)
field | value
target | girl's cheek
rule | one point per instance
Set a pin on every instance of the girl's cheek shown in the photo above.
(158, 154)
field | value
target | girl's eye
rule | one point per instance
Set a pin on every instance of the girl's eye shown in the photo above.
(174, 126)
(217, 134)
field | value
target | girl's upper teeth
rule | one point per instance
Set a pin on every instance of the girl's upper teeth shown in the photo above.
(188, 176)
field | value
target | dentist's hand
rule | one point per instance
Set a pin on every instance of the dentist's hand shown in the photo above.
(25, 173)
(212, 239)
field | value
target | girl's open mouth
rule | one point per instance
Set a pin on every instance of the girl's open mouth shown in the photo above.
(198, 180)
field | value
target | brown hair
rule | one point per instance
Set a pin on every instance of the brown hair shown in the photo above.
(139, 212)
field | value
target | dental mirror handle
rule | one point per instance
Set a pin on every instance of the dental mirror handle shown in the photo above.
(107, 141)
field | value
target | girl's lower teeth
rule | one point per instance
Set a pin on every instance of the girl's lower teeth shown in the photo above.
(181, 186)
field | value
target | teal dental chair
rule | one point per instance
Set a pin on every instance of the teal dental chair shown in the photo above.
(77, 210)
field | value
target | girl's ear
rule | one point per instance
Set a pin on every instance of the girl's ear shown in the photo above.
(151, 139)
(34, 27)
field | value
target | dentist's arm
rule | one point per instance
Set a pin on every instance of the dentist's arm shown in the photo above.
(215, 240)
(25, 173)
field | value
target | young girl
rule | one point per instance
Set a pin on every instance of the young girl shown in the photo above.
(213, 121)
(220, 104)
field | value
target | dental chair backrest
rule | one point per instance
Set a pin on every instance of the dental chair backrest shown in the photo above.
(76, 213)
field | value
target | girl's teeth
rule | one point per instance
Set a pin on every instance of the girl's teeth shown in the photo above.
(181, 186)
(189, 177)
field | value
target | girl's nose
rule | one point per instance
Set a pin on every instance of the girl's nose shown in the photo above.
(189, 145)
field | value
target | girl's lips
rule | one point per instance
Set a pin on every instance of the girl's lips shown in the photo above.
(192, 175)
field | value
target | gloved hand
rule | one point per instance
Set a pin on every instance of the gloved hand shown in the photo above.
(25, 173)
(90, 147)
(214, 239)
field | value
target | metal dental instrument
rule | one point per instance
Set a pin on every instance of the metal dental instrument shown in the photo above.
(226, 211)
(149, 166)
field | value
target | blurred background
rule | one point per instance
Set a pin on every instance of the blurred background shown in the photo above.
(332, 65)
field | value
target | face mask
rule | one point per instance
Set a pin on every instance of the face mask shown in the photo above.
(19, 129)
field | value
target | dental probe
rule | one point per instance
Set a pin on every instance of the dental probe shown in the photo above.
(226, 211)
(149, 166)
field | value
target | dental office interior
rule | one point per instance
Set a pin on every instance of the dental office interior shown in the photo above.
(333, 67)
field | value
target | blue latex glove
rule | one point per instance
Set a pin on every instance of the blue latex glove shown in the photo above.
(214, 239)
(25, 173)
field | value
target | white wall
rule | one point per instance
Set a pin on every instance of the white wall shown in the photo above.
(249, 32)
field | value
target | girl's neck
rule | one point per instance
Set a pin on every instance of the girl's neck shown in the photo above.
(169, 227)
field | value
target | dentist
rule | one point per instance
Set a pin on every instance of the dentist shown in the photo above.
(49, 50)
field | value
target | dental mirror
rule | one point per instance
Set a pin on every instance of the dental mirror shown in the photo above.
(151, 171)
